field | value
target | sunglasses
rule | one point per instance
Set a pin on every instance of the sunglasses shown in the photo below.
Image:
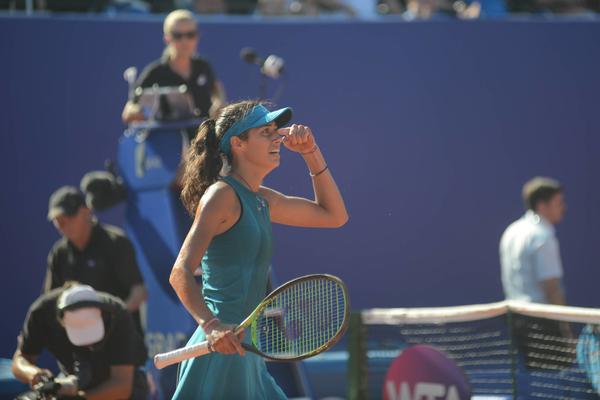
(181, 35)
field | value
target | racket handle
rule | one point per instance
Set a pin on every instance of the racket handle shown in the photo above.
(184, 353)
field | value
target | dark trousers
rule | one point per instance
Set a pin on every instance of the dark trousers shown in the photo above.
(543, 343)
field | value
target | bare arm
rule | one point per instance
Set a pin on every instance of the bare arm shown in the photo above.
(213, 215)
(218, 211)
(553, 290)
(137, 295)
(118, 386)
(327, 210)
(555, 295)
(132, 112)
(25, 370)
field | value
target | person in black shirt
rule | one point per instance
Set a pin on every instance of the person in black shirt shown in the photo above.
(178, 66)
(91, 253)
(94, 340)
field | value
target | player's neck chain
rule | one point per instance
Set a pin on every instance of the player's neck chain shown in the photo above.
(260, 202)
(245, 182)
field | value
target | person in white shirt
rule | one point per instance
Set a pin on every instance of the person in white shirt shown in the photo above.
(532, 271)
(529, 251)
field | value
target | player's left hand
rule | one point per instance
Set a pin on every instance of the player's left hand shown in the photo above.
(222, 339)
(298, 138)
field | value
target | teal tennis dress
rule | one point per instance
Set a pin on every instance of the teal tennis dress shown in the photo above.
(235, 270)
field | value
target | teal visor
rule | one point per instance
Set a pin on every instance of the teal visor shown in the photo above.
(259, 116)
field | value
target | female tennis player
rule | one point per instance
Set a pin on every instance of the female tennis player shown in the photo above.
(231, 239)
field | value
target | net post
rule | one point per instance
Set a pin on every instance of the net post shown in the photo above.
(514, 352)
(357, 360)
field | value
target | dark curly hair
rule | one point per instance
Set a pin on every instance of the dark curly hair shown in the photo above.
(204, 160)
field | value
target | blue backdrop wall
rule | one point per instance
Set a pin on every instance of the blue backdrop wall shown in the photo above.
(429, 128)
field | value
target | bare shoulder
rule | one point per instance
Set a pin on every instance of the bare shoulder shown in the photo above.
(219, 198)
(221, 190)
(219, 194)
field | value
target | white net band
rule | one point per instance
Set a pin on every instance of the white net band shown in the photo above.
(441, 315)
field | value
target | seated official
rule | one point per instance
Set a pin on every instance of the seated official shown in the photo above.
(179, 66)
(94, 340)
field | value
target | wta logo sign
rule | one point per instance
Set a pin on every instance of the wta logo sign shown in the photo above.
(424, 373)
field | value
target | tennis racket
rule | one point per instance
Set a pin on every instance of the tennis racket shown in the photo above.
(588, 354)
(299, 319)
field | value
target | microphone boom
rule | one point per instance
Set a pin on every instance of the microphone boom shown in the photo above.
(272, 66)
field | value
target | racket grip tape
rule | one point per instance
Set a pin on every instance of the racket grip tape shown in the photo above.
(163, 360)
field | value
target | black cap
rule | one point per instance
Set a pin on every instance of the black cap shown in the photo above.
(65, 201)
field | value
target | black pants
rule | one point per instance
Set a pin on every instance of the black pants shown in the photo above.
(140, 385)
(542, 342)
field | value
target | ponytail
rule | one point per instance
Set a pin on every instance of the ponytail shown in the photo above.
(204, 159)
(203, 165)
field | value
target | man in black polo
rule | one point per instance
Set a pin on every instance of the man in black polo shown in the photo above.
(91, 253)
(94, 340)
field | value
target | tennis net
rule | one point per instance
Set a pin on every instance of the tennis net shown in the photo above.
(505, 350)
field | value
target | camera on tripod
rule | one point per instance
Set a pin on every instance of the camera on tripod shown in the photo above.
(46, 389)
(49, 388)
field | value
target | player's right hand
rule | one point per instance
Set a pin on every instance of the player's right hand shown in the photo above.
(221, 338)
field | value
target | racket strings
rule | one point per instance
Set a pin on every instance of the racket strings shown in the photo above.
(302, 319)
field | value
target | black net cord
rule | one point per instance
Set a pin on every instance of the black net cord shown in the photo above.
(357, 359)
